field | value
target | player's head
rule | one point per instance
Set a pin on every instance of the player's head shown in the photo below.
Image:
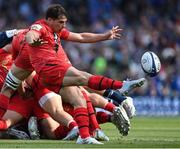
(56, 17)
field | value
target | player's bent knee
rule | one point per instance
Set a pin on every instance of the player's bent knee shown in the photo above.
(11, 81)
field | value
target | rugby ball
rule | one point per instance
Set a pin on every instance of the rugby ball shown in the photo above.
(150, 63)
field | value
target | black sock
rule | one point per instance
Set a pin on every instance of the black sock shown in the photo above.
(114, 95)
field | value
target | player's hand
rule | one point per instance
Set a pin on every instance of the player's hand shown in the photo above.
(24, 90)
(38, 42)
(33, 38)
(114, 33)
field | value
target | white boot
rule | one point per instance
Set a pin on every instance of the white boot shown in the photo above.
(129, 107)
(130, 85)
(88, 140)
(100, 135)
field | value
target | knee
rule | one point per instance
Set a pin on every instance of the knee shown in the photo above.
(51, 103)
(57, 110)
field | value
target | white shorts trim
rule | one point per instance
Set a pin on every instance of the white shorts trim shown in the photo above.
(46, 97)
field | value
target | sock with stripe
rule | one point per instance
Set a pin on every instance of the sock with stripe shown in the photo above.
(103, 117)
(82, 119)
(101, 83)
(61, 132)
(109, 107)
(72, 124)
(92, 117)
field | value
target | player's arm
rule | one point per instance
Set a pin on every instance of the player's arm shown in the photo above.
(6, 37)
(114, 33)
(33, 36)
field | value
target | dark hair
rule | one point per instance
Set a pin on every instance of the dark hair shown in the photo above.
(54, 11)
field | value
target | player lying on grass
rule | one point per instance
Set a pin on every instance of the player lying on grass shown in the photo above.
(48, 125)
(50, 129)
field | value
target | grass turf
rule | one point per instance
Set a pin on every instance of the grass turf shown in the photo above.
(149, 132)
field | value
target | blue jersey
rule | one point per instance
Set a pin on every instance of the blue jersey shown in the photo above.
(4, 39)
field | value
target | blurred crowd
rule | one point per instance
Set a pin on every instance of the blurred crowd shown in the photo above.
(150, 25)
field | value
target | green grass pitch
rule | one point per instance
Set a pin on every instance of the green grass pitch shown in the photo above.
(149, 132)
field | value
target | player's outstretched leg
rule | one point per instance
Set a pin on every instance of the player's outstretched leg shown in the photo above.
(130, 85)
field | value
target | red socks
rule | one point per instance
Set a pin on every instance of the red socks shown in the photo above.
(101, 83)
(109, 107)
(103, 117)
(61, 132)
(4, 102)
(3, 125)
(82, 119)
(72, 124)
(92, 117)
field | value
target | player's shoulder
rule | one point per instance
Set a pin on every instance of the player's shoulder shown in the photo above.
(38, 25)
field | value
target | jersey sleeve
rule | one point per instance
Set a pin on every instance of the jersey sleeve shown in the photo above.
(64, 33)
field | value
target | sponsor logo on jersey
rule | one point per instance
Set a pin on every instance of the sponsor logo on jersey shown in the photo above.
(36, 27)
